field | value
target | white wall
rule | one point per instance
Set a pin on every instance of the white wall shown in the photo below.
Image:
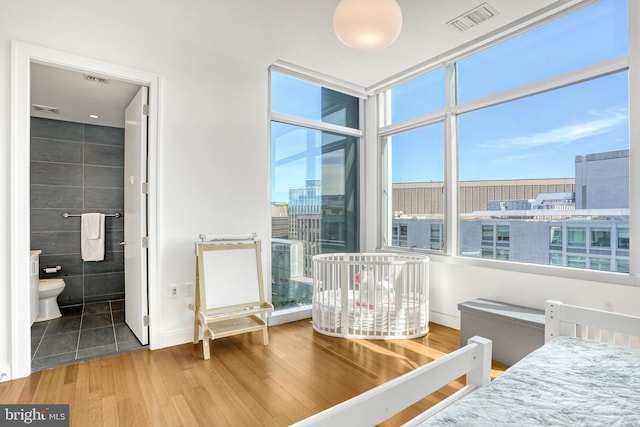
(455, 282)
(213, 151)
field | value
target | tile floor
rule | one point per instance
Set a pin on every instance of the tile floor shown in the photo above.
(82, 333)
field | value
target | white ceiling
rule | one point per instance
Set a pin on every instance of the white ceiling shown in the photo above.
(76, 97)
(295, 31)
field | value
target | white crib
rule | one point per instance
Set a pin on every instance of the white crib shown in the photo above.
(374, 296)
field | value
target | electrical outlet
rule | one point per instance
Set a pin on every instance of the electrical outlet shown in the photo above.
(188, 289)
(608, 306)
(173, 291)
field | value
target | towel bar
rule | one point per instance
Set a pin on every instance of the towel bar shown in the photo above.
(115, 215)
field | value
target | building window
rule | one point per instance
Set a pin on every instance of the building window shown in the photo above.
(502, 254)
(487, 233)
(600, 238)
(603, 264)
(622, 265)
(556, 236)
(502, 233)
(623, 238)
(487, 253)
(314, 181)
(436, 237)
(555, 259)
(576, 261)
(576, 237)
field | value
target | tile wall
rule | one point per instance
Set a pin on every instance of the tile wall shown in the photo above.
(77, 168)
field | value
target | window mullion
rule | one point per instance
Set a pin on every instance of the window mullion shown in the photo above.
(451, 212)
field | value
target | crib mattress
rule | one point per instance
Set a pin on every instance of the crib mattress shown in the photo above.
(566, 382)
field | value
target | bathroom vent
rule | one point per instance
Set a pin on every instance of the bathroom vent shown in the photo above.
(473, 17)
(45, 108)
(96, 79)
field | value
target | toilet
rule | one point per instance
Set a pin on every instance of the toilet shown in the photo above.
(48, 291)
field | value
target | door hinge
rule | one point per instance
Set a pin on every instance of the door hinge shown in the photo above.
(145, 109)
(145, 188)
(145, 320)
(145, 242)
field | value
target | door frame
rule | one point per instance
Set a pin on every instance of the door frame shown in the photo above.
(22, 54)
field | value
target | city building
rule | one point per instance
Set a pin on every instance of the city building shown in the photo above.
(588, 228)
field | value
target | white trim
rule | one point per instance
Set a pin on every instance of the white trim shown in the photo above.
(315, 124)
(556, 82)
(634, 136)
(288, 315)
(573, 77)
(22, 54)
(407, 125)
(319, 79)
(608, 277)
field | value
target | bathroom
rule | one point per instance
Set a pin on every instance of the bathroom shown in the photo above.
(77, 167)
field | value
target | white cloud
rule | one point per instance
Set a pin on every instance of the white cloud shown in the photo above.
(600, 123)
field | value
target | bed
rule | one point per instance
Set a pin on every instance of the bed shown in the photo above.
(587, 373)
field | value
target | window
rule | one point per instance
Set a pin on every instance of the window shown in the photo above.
(422, 95)
(416, 169)
(555, 259)
(577, 237)
(623, 265)
(314, 183)
(623, 238)
(487, 253)
(487, 233)
(589, 36)
(540, 142)
(556, 236)
(600, 238)
(576, 261)
(436, 237)
(603, 264)
(313, 102)
(502, 233)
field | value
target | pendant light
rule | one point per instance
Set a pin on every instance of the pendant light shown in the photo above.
(367, 24)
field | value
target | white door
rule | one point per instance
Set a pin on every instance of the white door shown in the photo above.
(135, 216)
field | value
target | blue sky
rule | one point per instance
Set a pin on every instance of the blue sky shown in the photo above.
(534, 137)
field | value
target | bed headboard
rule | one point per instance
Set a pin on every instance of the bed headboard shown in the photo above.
(588, 323)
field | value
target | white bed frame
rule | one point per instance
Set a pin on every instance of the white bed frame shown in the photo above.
(474, 361)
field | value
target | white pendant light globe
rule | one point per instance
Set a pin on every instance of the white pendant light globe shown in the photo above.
(367, 24)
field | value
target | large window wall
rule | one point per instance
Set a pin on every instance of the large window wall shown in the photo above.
(533, 133)
(315, 134)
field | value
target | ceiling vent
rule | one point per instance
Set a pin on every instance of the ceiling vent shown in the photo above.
(96, 79)
(473, 17)
(45, 108)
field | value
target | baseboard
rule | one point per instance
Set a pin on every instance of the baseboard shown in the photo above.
(444, 319)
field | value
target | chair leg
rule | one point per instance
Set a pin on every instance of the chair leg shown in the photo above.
(196, 331)
(205, 344)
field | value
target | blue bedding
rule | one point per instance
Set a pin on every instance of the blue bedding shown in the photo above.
(566, 382)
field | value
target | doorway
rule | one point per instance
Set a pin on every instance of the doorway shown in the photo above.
(23, 56)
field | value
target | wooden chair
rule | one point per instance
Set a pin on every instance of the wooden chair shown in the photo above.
(229, 296)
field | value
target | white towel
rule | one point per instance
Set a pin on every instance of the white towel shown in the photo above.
(92, 237)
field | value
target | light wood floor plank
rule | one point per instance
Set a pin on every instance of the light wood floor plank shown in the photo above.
(299, 373)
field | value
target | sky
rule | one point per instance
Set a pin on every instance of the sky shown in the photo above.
(533, 137)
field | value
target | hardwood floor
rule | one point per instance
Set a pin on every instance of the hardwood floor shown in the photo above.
(299, 373)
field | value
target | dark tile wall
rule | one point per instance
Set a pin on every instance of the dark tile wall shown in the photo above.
(77, 168)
